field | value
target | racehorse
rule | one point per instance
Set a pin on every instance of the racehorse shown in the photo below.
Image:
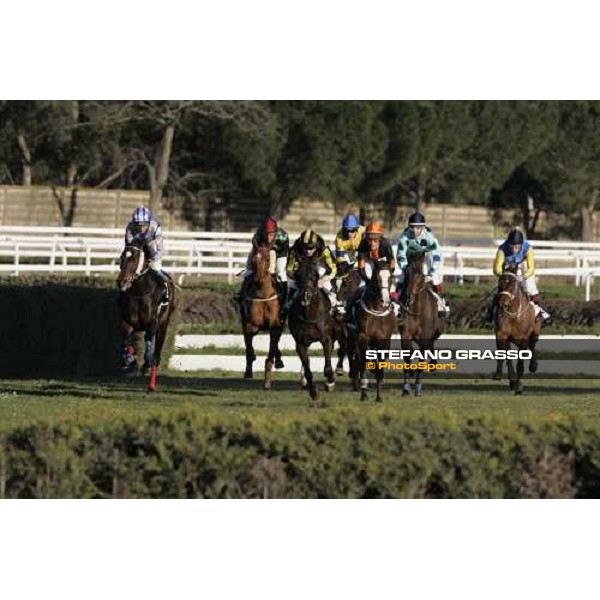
(143, 311)
(348, 280)
(375, 325)
(310, 321)
(517, 324)
(259, 310)
(421, 324)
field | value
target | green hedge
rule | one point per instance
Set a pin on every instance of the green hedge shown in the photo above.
(186, 454)
(60, 331)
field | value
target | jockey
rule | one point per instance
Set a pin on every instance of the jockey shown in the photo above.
(145, 228)
(376, 248)
(312, 245)
(347, 242)
(269, 234)
(417, 237)
(516, 250)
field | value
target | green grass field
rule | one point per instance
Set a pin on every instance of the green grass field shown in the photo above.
(27, 402)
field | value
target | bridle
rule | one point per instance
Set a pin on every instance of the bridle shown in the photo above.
(127, 279)
(512, 296)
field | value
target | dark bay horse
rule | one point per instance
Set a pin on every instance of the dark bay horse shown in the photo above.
(421, 324)
(310, 321)
(376, 323)
(143, 311)
(516, 324)
(348, 281)
(259, 309)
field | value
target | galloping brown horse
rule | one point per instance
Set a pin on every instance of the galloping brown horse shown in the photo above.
(516, 324)
(375, 326)
(310, 321)
(421, 325)
(142, 310)
(259, 310)
(348, 284)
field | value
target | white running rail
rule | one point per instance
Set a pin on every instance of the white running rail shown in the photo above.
(96, 250)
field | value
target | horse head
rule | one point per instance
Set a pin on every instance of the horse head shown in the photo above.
(261, 263)
(508, 286)
(416, 276)
(131, 264)
(307, 277)
(379, 284)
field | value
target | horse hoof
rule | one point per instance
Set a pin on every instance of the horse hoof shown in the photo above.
(248, 375)
(314, 393)
(363, 395)
(267, 385)
(329, 387)
(497, 377)
(533, 366)
(405, 393)
(518, 392)
(513, 386)
(418, 393)
(340, 371)
(279, 363)
(379, 399)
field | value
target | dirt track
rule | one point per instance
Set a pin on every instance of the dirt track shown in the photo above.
(210, 307)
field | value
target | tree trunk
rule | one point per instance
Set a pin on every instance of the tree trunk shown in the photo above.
(588, 221)
(26, 159)
(161, 169)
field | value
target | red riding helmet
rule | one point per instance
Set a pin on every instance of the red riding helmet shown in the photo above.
(270, 225)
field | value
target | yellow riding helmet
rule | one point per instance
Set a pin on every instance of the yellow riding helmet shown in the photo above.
(309, 238)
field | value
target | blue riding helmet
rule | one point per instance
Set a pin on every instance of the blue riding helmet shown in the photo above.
(515, 237)
(350, 222)
(141, 215)
(416, 219)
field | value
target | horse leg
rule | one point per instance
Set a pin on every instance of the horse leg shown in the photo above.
(250, 356)
(407, 374)
(148, 351)
(302, 351)
(127, 349)
(497, 376)
(273, 349)
(327, 344)
(159, 342)
(363, 345)
(533, 363)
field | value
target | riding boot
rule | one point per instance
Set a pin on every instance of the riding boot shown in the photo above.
(162, 278)
(541, 311)
(443, 307)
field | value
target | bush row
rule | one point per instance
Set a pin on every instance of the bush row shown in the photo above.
(348, 454)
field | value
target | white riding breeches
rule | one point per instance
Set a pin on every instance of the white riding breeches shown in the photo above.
(155, 264)
(385, 277)
(431, 268)
(280, 267)
(529, 284)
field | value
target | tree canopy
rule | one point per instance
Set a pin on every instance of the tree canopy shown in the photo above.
(543, 154)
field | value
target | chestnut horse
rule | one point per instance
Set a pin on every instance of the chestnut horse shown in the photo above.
(143, 311)
(259, 309)
(517, 324)
(421, 324)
